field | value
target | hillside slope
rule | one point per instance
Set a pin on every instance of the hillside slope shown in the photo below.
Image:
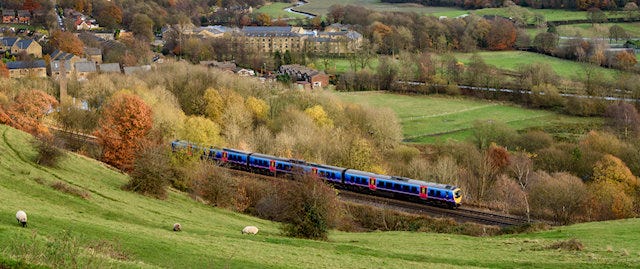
(136, 230)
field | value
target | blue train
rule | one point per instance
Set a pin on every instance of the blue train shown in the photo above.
(366, 182)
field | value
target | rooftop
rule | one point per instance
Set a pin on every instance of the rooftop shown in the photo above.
(26, 64)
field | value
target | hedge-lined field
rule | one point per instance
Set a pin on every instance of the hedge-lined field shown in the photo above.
(321, 7)
(426, 119)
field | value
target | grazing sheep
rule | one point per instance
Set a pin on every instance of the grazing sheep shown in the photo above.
(250, 230)
(177, 227)
(21, 216)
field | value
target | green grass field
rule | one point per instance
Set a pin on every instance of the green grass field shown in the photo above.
(426, 119)
(136, 230)
(511, 60)
(598, 30)
(340, 65)
(321, 7)
(549, 14)
(276, 10)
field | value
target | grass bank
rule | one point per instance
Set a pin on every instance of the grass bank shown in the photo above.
(114, 228)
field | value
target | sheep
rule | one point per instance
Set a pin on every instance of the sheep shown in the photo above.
(250, 230)
(177, 227)
(21, 216)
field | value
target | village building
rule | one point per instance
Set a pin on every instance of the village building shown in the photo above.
(6, 43)
(84, 69)
(109, 68)
(9, 16)
(93, 54)
(299, 73)
(28, 46)
(57, 68)
(27, 69)
(24, 16)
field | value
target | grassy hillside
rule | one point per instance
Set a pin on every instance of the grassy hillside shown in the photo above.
(276, 10)
(125, 230)
(426, 119)
(511, 60)
(321, 7)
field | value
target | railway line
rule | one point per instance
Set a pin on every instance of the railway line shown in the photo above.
(462, 214)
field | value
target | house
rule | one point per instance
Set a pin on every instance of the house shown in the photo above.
(57, 68)
(8, 16)
(301, 73)
(6, 43)
(93, 54)
(30, 69)
(24, 16)
(59, 55)
(84, 69)
(109, 68)
(82, 23)
(128, 70)
(28, 46)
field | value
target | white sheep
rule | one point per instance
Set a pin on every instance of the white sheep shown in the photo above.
(250, 230)
(21, 216)
(177, 227)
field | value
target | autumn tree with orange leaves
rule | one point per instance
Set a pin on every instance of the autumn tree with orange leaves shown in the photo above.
(27, 111)
(122, 130)
(66, 41)
(502, 35)
(613, 190)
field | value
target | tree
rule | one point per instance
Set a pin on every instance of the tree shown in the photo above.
(502, 35)
(617, 32)
(66, 41)
(631, 11)
(201, 130)
(258, 107)
(319, 116)
(546, 42)
(110, 16)
(595, 15)
(126, 120)
(625, 60)
(521, 166)
(624, 118)
(142, 27)
(264, 19)
(28, 111)
(549, 196)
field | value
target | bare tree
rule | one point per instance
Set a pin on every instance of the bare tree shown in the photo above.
(520, 167)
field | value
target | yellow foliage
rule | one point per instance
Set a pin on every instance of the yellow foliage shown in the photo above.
(611, 168)
(203, 131)
(215, 105)
(258, 107)
(319, 116)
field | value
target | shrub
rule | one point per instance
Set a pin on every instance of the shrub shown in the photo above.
(66, 188)
(151, 172)
(215, 186)
(572, 244)
(49, 152)
(311, 208)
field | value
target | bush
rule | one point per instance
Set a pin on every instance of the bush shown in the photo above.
(311, 208)
(66, 188)
(215, 185)
(49, 152)
(571, 244)
(151, 172)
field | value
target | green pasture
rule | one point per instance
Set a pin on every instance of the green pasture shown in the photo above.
(321, 7)
(549, 14)
(426, 119)
(118, 229)
(340, 65)
(597, 30)
(511, 60)
(276, 10)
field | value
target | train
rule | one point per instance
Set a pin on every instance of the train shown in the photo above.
(351, 179)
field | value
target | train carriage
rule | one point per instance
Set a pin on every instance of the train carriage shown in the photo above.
(329, 173)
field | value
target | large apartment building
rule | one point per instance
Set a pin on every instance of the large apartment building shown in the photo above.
(270, 39)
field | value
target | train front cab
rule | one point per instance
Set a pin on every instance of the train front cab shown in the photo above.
(448, 196)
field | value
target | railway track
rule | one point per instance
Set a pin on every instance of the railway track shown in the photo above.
(463, 214)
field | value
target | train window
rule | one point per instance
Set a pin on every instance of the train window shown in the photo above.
(397, 187)
(389, 185)
(380, 184)
(438, 194)
(405, 188)
(457, 194)
(279, 166)
(414, 190)
(431, 193)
